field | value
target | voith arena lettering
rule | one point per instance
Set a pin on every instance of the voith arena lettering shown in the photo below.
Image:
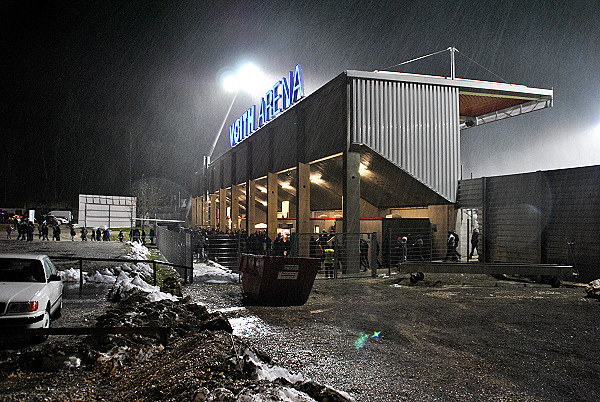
(284, 94)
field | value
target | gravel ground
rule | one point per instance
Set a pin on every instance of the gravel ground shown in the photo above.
(449, 337)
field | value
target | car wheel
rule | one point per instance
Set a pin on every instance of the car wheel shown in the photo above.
(46, 324)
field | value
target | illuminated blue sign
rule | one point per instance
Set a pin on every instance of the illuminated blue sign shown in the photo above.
(284, 94)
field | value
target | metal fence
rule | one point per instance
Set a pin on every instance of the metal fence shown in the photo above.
(416, 244)
(340, 254)
(153, 263)
(177, 248)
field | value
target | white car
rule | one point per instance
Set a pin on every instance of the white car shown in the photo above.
(30, 291)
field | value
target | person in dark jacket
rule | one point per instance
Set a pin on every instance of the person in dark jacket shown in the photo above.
(45, 231)
(56, 232)
(474, 243)
(278, 246)
(30, 231)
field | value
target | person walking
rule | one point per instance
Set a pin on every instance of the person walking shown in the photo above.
(450, 246)
(329, 261)
(73, 233)
(56, 232)
(474, 243)
(9, 231)
(30, 230)
(364, 255)
(456, 253)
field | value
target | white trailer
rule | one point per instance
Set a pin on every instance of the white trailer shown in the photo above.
(107, 210)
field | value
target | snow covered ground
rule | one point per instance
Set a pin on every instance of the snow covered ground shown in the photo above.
(125, 278)
(211, 272)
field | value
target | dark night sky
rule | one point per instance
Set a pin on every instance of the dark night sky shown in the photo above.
(90, 86)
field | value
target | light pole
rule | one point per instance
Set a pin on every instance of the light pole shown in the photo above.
(249, 79)
(214, 144)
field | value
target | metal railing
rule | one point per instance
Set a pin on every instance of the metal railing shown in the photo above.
(188, 271)
(224, 250)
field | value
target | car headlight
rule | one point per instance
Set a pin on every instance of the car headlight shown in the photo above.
(22, 307)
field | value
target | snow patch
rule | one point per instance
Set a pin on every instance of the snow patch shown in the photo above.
(293, 395)
(69, 275)
(137, 251)
(73, 362)
(270, 373)
(211, 272)
(250, 326)
(126, 285)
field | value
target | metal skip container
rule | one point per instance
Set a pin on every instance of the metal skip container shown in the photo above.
(276, 280)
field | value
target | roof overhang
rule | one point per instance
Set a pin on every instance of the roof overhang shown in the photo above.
(480, 102)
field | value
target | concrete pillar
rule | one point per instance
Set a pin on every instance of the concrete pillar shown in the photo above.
(194, 211)
(223, 209)
(351, 211)
(303, 208)
(272, 200)
(205, 212)
(213, 210)
(235, 207)
(303, 198)
(250, 205)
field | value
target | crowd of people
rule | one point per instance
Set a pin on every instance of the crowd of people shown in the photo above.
(25, 230)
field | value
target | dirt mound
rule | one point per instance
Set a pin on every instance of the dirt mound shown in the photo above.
(202, 361)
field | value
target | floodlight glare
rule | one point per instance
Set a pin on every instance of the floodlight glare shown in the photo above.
(248, 78)
(230, 82)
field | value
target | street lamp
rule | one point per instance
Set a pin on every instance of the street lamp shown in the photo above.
(249, 79)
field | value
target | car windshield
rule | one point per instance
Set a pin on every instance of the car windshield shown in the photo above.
(21, 270)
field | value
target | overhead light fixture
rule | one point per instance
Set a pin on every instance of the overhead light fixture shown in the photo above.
(316, 178)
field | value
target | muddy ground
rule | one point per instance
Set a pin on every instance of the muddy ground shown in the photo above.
(449, 337)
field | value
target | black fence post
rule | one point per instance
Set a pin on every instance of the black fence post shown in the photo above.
(374, 250)
(154, 271)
